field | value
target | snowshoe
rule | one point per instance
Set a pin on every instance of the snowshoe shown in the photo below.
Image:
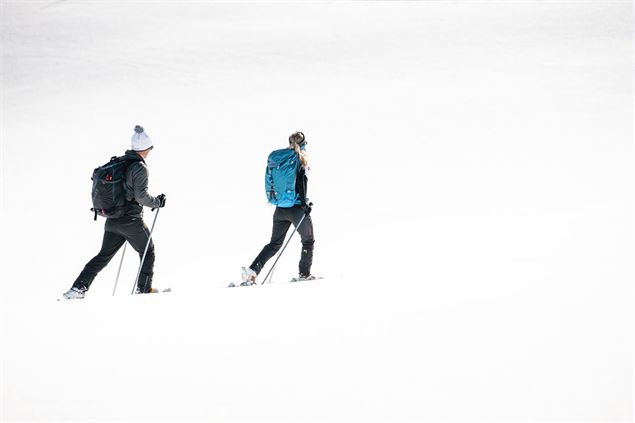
(303, 278)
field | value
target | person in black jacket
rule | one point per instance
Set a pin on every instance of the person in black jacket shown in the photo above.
(284, 217)
(130, 227)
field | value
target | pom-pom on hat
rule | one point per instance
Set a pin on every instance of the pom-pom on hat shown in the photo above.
(140, 140)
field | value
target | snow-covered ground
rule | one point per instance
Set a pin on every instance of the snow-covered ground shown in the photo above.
(473, 188)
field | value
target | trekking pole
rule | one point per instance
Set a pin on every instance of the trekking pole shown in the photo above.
(282, 251)
(145, 251)
(119, 271)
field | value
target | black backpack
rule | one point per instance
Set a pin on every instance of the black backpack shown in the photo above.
(109, 192)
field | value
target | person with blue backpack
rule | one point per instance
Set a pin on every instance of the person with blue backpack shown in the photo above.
(120, 190)
(286, 188)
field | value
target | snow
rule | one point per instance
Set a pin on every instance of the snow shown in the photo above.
(472, 174)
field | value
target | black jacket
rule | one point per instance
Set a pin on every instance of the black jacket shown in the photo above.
(301, 182)
(137, 186)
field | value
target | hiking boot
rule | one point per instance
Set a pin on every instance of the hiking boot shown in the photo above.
(151, 291)
(75, 293)
(249, 277)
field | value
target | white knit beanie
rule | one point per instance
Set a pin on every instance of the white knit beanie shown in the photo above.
(140, 140)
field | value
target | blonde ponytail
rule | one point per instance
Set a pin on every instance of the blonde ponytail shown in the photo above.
(302, 154)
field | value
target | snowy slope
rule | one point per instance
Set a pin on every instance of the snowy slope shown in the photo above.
(473, 188)
(328, 351)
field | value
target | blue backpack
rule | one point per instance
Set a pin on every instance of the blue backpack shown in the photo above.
(282, 169)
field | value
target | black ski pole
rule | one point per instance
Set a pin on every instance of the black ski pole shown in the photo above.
(145, 251)
(283, 248)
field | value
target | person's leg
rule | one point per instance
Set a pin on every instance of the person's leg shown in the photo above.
(137, 234)
(109, 247)
(306, 235)
(280, 226)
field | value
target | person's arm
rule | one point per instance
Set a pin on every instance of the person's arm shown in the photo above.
(301, 185)
(139, 175)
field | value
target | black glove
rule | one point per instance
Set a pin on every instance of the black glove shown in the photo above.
(161, 199)
(308, 208)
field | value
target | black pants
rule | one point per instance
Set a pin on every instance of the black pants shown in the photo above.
(282, 220)
(116, 232)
